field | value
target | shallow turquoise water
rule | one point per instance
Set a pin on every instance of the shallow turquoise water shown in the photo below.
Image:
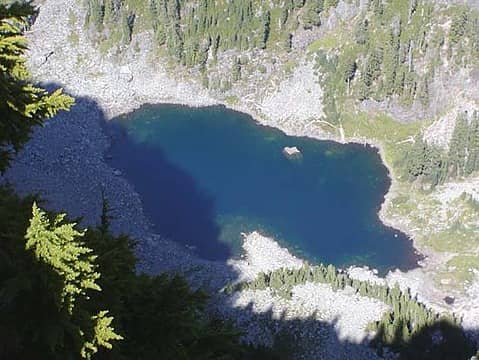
(206, 175)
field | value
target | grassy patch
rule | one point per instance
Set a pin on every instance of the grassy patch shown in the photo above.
(459, 272)
(403, 205)
(463, 266)
(73, 39)
(326, 42)
(383, 129)
(379, 127)
(462, 234)
(231, 100)
(457, 238)
(290, 66)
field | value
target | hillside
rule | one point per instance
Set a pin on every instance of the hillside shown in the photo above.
(402, 75)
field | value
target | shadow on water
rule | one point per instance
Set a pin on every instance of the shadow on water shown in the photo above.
(176, 206)
(190, 211)
(322, 206)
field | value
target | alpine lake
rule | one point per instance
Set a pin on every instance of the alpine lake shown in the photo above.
(207, 175)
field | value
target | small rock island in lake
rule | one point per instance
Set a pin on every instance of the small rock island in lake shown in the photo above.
(292, 152)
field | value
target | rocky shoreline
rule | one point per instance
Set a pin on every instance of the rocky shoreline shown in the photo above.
(331, 324)
(65, 162)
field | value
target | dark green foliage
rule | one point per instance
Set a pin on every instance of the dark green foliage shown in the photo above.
(426, 162)
(423, 344)
(408, 328)
(190, 31)
(22, 105)
(164, 322)
(391, 61)
(383, 50)
(472, 162)
(458, 25)
(347, 68)
(311, 15)
(433, 165)
(361, 33)
(46, 272)
(24, 330)
(45, 312)
(159, 317)
(458, 147)
(464, 36)
(387, 42)
(265, 28)
(127, 23)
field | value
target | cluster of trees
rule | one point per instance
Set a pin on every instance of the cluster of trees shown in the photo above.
(192, 32)
(67, 293)
(434, 165)
(378, 62)
(407, 319)
(101, 13)
(464, 37)
(394, 50)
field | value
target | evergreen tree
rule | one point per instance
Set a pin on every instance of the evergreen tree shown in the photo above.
(391, 60)
(22, 104)
(458, 26)
(458, 146)
(416, 158)
(45, 311)
(472, 163)
(127, 23)
(266, 19)
(361, 32)
(347, 67)
(311, 13)
(57, 244)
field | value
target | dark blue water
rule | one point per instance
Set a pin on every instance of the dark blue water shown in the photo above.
(206, 175)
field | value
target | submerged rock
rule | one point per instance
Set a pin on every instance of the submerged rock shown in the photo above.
(292, 152)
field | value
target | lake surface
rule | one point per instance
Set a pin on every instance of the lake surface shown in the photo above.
(206, 175)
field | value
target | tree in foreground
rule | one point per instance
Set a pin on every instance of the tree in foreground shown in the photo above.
(45, 286)
(160, 317)
(58, 247)
(22, 104)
